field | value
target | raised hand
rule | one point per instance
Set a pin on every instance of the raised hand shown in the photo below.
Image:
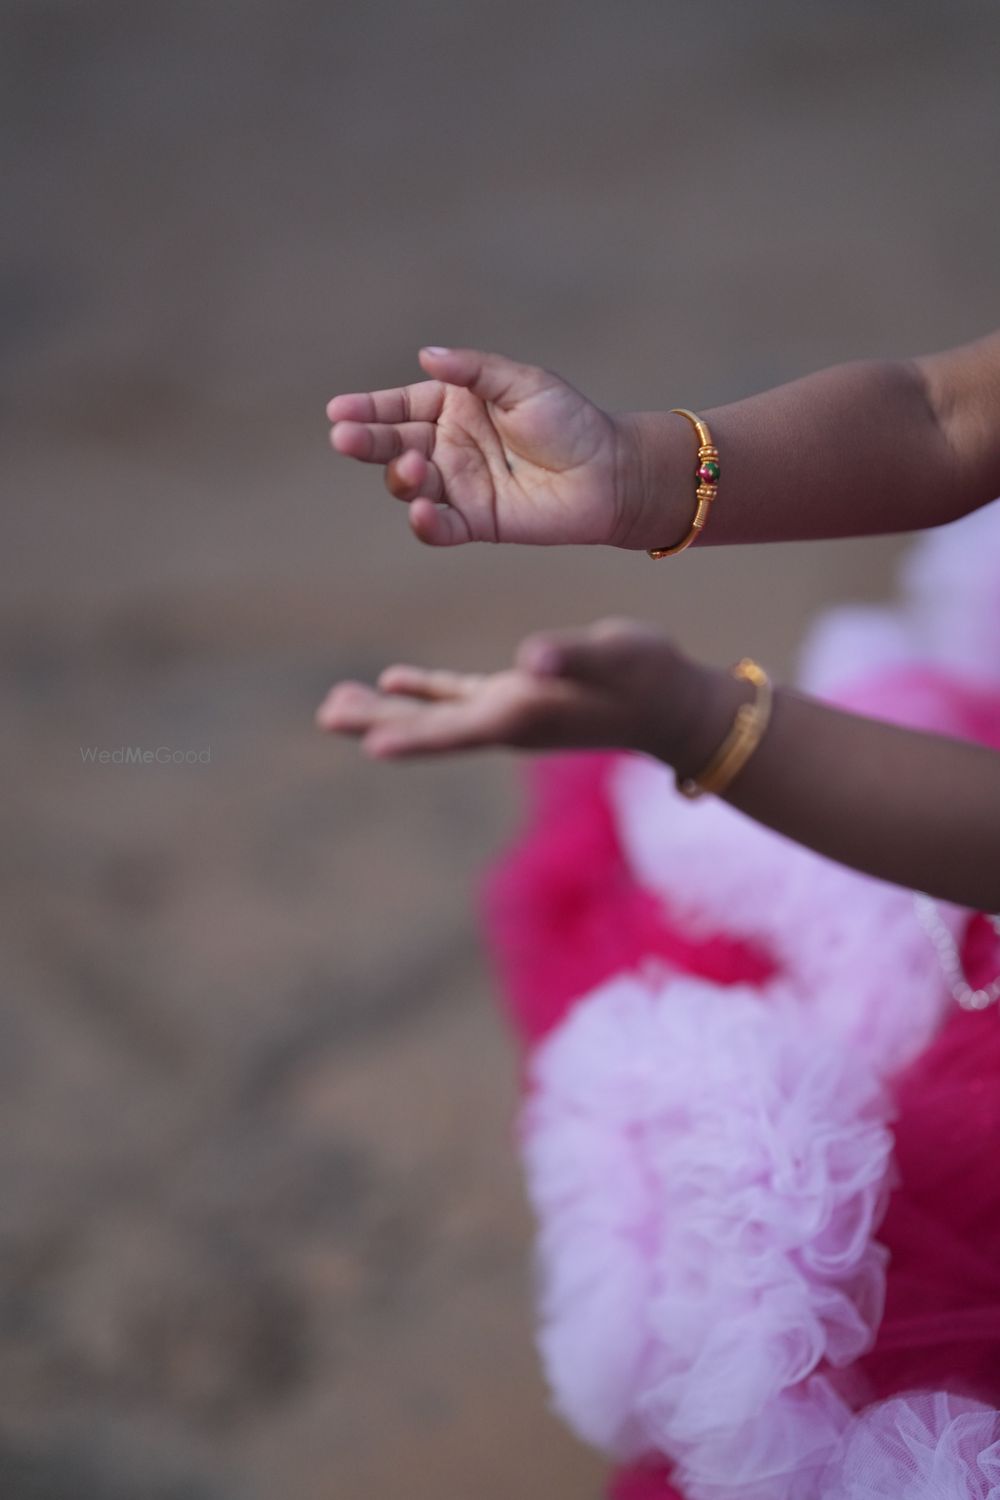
(617, 684)
(488, 450)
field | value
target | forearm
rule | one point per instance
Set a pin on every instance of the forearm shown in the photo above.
(864, 448)
(919, 810)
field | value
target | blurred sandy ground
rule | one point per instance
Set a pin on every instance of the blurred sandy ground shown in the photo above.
(261, 1227)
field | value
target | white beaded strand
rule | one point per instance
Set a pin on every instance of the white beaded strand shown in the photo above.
(950, 958)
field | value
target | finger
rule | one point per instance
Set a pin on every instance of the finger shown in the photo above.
(437, 525)
(492, 377)
(379, 443)
(404, 403)
(432, 683)
(508, 709)
(354, 708)
(436, 728)
(412, 475)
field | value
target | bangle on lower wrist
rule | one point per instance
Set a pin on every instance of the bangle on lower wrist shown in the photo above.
(748, 727)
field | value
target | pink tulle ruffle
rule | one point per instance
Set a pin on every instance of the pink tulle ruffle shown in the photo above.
(941, 1327)
(565, 912)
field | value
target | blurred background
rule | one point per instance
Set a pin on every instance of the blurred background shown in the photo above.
(261, 1225)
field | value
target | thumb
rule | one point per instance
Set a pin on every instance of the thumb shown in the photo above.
(491, 377)
(596, 655)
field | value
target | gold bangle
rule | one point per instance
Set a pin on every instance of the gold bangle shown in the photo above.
(743, 738)
(707, 475)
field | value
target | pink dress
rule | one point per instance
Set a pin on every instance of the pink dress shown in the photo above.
(761, 1139)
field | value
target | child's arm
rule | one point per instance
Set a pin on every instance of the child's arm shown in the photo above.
(492, 450)
(916, 809)
(864, 448)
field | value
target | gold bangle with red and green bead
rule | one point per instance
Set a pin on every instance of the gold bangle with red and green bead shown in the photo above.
(707, 475)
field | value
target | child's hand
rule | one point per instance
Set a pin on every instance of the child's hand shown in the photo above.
(618, 684)
(492, 451)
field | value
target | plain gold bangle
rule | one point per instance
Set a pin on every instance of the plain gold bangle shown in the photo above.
(743, 738)
(707, 475)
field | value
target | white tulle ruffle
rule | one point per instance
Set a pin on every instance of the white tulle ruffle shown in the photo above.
(848, 946)
(709, 1170)
(948, 614)
(918, 1447)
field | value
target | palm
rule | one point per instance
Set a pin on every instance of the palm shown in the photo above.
(537, 463)
(542, 471)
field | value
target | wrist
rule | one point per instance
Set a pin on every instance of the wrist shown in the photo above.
(655, 483)
(698, 717)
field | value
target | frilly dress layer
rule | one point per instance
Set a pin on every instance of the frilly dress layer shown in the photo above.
(760, 1139)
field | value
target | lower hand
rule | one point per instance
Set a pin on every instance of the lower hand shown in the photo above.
(618, 684)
